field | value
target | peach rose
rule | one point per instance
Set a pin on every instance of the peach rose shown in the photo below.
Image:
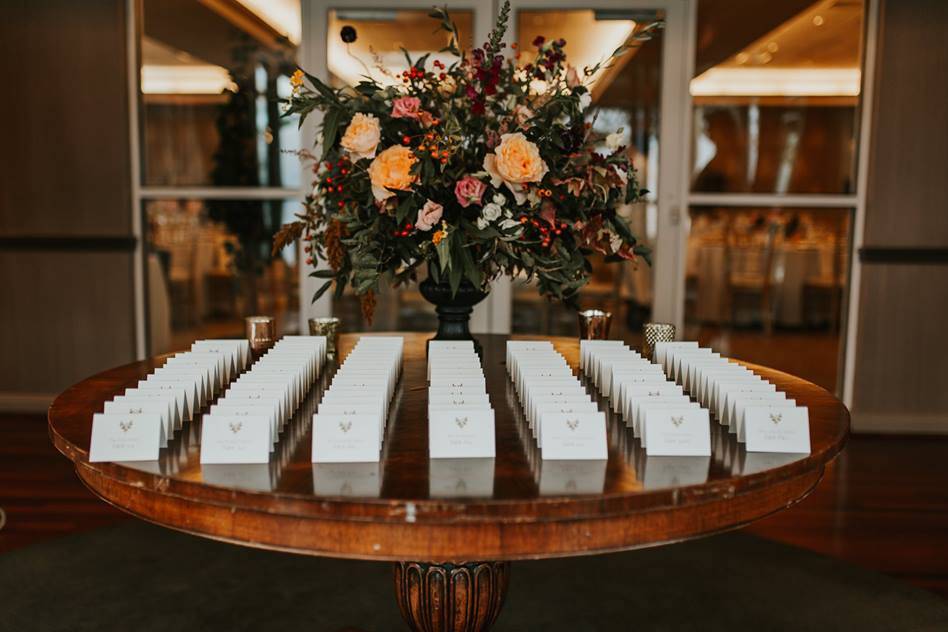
(390, 170)
(406, 107)
(515, 162)
(469, 190)
(429, 215)
(362, 136)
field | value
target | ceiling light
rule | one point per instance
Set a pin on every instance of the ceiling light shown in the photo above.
(282, 15)
(196, 79)
(785, 82)
(817, 20)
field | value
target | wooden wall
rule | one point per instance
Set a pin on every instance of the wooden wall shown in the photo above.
(66, 244)
(902, 341)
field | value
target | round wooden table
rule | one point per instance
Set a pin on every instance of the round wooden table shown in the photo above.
(450, 526)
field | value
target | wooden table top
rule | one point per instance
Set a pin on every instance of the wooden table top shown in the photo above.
(408, 507)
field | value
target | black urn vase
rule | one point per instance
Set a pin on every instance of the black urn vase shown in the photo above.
(454, 312)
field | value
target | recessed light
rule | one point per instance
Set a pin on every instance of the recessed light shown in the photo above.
(742, 58)
(773, 47)
(817, 20)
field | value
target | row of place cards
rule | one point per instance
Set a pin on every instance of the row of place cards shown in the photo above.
(564, 420)
(349, 424)
(666, 421)
(460, 416)
(244, 425)
(761, 417)
(135, 425)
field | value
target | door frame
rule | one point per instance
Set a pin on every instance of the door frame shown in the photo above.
(493, 314)
(677, 62)
(668, 291)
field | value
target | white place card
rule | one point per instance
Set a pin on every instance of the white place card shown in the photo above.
(126, 406)
(228, 438)
(567, 436)
(777, 429)
(640, 405)
(678, 431)
(461, 433)
(125, 437)
(340, 438)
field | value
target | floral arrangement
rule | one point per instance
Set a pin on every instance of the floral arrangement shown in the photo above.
(481, 168)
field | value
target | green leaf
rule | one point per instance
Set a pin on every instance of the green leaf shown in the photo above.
(330, 129)
(322, 88)
(321, 291)
(454, 278)
(443, 249)
(404, 210)
(323, 274)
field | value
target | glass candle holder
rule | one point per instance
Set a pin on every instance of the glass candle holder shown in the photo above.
(328, 327)
(655, 332)
(261, 333)
(594, 324)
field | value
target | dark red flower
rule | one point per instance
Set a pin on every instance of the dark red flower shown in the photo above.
(539, 40)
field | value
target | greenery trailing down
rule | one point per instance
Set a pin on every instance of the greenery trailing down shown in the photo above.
(483, 166)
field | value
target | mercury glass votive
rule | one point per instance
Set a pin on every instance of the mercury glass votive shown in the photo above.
(261, 333)
(328, 327)
(594, 324)
(655, 332)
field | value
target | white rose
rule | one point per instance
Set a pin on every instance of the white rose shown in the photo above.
(491, 212)
(614, 140)
(481, 223)
(499, 199)
(584, 101)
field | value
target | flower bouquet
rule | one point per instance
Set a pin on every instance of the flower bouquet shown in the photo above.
(482, 167)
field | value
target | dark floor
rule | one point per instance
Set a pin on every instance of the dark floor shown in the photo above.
(883, 505)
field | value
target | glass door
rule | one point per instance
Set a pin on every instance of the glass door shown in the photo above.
(382, 30)
(643, 95)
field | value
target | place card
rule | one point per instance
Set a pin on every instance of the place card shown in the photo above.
(770, 428)
(122, 437)
(640, 405)
(677, 431)
(461, 433)
(342, 438)
(734, 412)
(571, 436)
(188, 390)
(233, 438)
(648, 391)
(126, 406)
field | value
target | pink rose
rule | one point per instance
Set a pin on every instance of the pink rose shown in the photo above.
(406, 107)
(469, 191)
(429, 216)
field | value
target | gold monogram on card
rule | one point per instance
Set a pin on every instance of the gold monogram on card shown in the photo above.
(125, 426)
(776, 418)
(345, 426)
(235, 426)
(460, 421)
(677, 420)
(572, 424)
